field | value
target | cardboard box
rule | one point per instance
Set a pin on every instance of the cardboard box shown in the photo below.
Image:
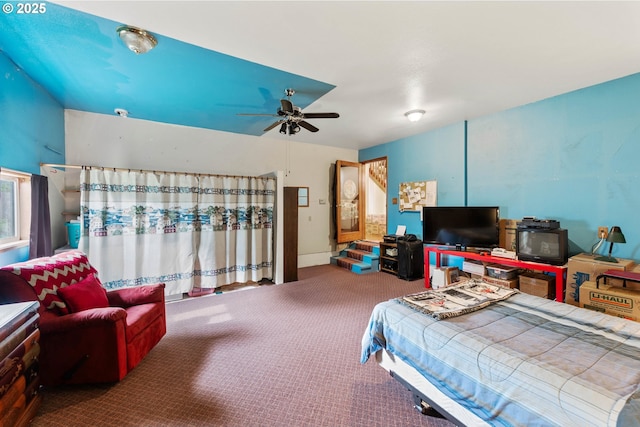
(583, 268)
(538, 284)
(443, 276)
(505, 283)
(621, 302)
(507, 237)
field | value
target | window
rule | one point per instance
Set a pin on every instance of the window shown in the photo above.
(303, 196)
(15, 194)
(9, 202)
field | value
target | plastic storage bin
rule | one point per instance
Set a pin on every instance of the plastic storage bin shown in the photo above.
(73, 233)
(502, 272)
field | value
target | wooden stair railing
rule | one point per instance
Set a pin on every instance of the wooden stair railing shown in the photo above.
(378, 173)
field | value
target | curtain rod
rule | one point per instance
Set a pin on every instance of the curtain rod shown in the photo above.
(14, 173)
(53, 165)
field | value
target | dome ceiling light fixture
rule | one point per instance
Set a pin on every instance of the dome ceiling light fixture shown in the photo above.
(137, 40)
(414, 115)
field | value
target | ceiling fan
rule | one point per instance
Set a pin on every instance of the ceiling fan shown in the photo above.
(292, 119)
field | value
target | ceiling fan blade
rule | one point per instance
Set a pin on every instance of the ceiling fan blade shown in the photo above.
(321, 115)
(287, 106)
(271, 126)
(251, 114)
(308, 126)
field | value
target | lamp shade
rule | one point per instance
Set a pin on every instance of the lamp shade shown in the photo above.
(615, 235)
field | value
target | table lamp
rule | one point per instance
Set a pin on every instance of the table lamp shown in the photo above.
(615, 236)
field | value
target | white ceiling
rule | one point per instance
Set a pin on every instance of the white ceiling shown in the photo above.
(457, 60)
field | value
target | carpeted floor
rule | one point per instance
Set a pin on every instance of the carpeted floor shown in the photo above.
(275, 355)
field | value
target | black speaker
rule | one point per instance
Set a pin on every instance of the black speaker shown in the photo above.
(410, 259)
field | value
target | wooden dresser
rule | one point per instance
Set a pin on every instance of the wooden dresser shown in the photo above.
(19, 351)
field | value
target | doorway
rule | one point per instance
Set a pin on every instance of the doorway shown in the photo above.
(361, 200)
(375, 173)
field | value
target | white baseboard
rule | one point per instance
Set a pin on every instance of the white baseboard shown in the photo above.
(310, 260)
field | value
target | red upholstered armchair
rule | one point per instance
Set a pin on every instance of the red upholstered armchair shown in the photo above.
(87, 334)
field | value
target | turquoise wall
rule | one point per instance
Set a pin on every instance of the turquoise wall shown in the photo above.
(416, 159)
(30, 121)
(571, 158)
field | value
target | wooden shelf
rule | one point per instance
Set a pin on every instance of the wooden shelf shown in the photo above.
(388, 263)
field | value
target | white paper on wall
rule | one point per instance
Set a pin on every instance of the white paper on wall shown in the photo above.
(414, 195)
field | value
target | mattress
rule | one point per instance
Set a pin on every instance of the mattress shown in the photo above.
(523, 361)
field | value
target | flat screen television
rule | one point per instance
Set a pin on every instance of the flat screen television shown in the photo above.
(465, 226)
(548, 246)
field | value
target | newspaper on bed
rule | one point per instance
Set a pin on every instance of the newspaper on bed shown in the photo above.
(470, 295)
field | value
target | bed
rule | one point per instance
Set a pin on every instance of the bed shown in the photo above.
(520, 361)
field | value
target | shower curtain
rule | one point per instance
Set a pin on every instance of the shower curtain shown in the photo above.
(236, 238)
(186, 230)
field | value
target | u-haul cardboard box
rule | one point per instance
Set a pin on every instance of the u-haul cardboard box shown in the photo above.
(584, 267)
(614, 300)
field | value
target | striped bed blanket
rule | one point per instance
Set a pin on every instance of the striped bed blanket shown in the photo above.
(522, 361)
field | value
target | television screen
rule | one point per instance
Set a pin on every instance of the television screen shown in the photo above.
(469, 226)
(536, 243)
(542, 245)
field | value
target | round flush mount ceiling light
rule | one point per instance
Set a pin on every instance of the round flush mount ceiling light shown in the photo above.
(414, 115)
(137, 40)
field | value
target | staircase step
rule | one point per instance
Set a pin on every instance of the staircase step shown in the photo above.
(360, 257)
(354, 265)
(346, 262)
(365, 245)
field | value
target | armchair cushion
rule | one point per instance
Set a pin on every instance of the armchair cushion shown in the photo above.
(87, 293)
(51, 323)
(127, 297)
(47, 275)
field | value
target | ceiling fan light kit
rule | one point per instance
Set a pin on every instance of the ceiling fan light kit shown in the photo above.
(293, 128)
(414, 115)
(135, 39)
(292, 119)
